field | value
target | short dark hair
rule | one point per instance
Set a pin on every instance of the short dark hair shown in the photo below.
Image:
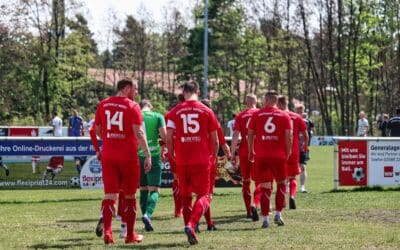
(145, 102)
(55, 113)
(123, 83)
(190, 87)
(181, 98)
(271, 93)
(206, 102)
(282, 100)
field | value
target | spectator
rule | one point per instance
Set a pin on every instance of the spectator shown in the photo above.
(363, 125)
(231, 124)
(57, 124)
(310, 126)
(393, 125)
(75, 124)
(382, 125)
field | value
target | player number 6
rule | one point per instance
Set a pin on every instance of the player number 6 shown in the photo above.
(269, 126)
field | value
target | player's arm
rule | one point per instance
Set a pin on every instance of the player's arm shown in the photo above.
(234, 142)
(289, 142)
(162, 131)
(250, 144)
(214, 143)
(170, 144)
(306, 139)
(141, 137)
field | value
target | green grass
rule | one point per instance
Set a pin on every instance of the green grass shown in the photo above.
(349, 219)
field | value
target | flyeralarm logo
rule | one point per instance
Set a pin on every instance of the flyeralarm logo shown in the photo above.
(388, 171)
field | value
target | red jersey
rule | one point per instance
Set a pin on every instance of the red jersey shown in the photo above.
(270, 125)
(192, 122)
(241, 125)
(299, 126)
(116, 115)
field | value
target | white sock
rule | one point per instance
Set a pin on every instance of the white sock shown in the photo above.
(278, 214)
(266, 218)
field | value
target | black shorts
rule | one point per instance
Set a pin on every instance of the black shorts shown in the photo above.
(304, 158)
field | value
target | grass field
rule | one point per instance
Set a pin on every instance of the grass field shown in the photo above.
(349, 219)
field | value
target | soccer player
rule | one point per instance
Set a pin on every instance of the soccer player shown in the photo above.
(150, 182)
(393, 125)
(4, 166)
(175, 185)
(194, 127)
(241, 123)
(304, 155)
(299, 130)
(54, 167)
(270, 145)
(213, 171)
(118, 122)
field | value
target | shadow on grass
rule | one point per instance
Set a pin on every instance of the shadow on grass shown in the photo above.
(76, 244)
(78, 221)
(49, 201)
(366, 189)
(155, 245)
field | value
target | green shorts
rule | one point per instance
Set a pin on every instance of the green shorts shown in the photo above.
(153, 178)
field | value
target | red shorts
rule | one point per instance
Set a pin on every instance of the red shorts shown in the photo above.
(213, 175)
(269, 169)
(56, 162)
(293, 168)
(194, 179)
(245, 167)
(120, 174)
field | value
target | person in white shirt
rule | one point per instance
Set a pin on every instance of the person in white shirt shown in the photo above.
(230, 125)
(57, 124)
(363, 125)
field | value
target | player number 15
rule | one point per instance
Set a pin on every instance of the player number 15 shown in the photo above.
(190, 123)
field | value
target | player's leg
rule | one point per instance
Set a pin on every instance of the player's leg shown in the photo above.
(303, 173)
(293, 170)
(144, 191)
(4, 166)
(279, 170)
(200, 182)
(35, 164)
(130, 175)
(176, 191)
(154, 183)
(121, 213)
(111, 189)
(207, 214)
(246, 182)
(262, 174)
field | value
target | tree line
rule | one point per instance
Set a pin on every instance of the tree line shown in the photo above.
(338, 57)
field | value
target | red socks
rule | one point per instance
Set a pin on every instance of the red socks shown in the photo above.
(107, 211)
(257, 195)
(199, 208)
(130, 215)
(121, 205)
(280, 197)
(187, 208)
(292, 187)
(265, 200)
(246, 194)
(177, 198)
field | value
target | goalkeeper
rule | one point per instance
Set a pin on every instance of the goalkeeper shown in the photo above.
(154, 126)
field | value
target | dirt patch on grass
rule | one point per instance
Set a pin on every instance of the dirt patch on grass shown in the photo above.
(386, 216)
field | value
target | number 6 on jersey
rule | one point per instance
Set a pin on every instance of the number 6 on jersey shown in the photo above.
(269, 126)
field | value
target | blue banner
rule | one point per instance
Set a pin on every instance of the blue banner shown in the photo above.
(11, 147)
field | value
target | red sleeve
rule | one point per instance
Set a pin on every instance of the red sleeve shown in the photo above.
(97, 118)
(236, 125)
(93, 138)
(221, 137)
(137, 118)
(252, 123)
(212, 123)
(287, 124)
(302, 124)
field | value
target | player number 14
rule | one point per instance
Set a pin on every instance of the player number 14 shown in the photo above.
(115, 120)
(190, 123)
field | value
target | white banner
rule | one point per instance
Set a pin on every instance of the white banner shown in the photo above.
(91, 177)
(384, 163)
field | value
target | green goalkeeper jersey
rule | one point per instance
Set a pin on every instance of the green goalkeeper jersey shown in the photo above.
(152, 121)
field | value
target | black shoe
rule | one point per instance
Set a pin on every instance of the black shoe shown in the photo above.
(147, 224)
(99, 227)
(254, 213)
(192, 239)
(292, 203)
(7, 172)
(248, 215)
(197, 228)
(211, 228)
